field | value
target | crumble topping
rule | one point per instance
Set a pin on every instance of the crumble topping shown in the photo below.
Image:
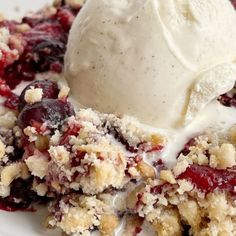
(37, 165)
(79, 215)
(13, 171)
(64, 92)
(59, 155)
(133, 225)
(167, 176)
(2, 149)
(7, 55)
(8, 120)
(40, 188)
(195, 194)
(33, 95)
(80, 163)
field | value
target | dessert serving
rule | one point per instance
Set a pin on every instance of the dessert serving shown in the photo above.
(119, 117)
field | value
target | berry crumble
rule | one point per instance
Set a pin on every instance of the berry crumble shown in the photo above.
(98, 172)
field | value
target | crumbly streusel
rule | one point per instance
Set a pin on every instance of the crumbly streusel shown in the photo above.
(178, 202)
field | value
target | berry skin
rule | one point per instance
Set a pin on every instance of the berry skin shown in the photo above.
(50, 90)
(207, 179)
(50, 111)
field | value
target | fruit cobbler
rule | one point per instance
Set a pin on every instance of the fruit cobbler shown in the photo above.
(99, 172)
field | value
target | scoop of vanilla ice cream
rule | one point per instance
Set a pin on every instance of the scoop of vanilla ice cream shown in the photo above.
(158, 60)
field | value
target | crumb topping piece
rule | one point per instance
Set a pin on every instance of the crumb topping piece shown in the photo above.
(33, 95)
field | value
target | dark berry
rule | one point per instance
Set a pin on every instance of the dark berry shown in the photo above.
(7, 58)
(207, 179)
(225, 100)
(16, 155)
(228, 100)
(21, 197)
(12, 102)
(42, 46)
(50, 111)
(50, 90)
(46, 53)
(65, 17)
(5, 91)
(186, 150)
(233, 2)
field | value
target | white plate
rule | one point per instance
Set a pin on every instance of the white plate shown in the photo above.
(18, 8)
(23, 223)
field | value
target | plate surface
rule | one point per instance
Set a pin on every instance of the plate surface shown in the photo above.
(23, 223)
(18, 8)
